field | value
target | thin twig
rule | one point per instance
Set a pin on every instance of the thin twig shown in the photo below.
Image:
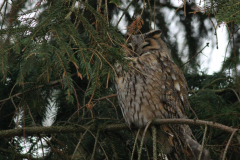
(108, 96)
(135, 143)
(95, 145)
(124, 13)
(84, 7)
(207, 45)
(193, 112)
(143, 136)
(78, 104)
(143, 8)
(113, 106)
(79, 142)
(215, 29)
(72, 9)
(185, 8)
(147, 151)
(41, 146)
(179, 141)
(204, 137)
(29, 111)
(193, 122)
(235, 93)
(154, 7)
(213, 82)
(150, 22)
(221, 145)
(218, 91)
(229, 141)
(179, 7)
(106, 10)
(235, 58)
(16, 113)
(154, 134)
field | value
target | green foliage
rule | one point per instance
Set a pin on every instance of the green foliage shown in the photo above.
(214, 99)
(224, 10)
(228, 11)
(60, 62)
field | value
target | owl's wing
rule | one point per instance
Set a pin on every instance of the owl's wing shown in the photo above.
(177, 95)
(166, 84)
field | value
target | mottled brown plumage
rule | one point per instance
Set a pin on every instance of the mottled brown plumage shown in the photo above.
(154, 87)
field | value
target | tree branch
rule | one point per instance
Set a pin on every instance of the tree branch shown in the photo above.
(40, 86)
(112, 127)
(195, 122)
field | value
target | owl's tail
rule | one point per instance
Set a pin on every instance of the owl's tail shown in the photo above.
(180, 145)
(196, 148)
(175, 143)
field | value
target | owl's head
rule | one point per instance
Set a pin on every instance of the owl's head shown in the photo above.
(138, 45)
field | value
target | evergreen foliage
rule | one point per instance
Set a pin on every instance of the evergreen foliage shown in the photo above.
(57, 58)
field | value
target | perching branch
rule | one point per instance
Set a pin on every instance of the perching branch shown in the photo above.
(194, 122)
(112, 127)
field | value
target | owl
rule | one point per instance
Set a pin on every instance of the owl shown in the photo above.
(154, 87)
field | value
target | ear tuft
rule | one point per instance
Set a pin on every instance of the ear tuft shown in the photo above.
(155, 34)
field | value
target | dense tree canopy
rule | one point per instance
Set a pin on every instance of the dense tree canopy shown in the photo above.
(56, 61)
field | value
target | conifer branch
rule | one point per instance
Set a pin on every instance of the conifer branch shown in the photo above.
(40, 86)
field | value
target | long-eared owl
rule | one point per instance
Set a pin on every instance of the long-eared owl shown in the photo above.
(154, 87)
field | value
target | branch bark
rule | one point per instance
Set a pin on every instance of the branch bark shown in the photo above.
(112, 127)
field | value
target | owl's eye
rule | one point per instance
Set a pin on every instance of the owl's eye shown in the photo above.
(145, 44)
